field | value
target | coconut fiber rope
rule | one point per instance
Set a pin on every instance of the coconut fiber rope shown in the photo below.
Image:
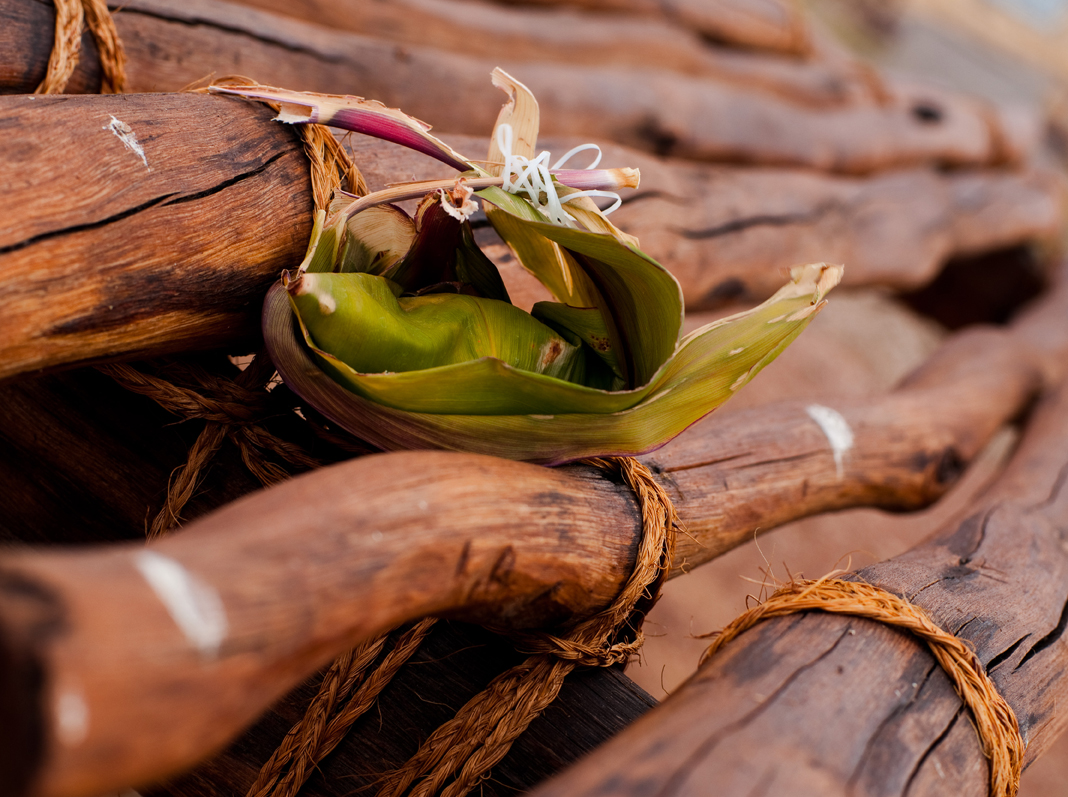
(72, 16)
(994, 720)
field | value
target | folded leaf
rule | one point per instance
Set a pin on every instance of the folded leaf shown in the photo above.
(710, 365)
(359, 322)
(401, 331)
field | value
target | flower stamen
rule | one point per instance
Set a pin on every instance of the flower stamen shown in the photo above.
(533, 178)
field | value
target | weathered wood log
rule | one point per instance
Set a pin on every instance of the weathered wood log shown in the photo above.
(657, 110)
(573, 36)
(175, 255)
(824, 704)
(184, 210)
(769, 24)
(195, 620)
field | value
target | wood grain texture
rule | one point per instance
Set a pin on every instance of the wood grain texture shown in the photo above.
(820, 704)
(766, 24)
(574, 36)
(26, 34)
(170, 253)
(460, 536)
(171, 46)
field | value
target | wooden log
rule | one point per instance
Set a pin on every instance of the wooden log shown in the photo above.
(184, 211)
(83, 460)
(170, 46)
(824, 704)
(140, 636)
(179, 253)
(766, 24)
(575, 36)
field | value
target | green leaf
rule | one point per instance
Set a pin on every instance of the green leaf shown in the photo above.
(710, 366)
(640, 300)
(585, 324)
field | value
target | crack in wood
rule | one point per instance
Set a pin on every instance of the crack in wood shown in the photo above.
(781, 460)
(215, 189)
(1049, 639)
(92, 225)
(766, 220)
(675, 783)
(1006, 654)
(912, 598)
(194, 21)
(641, 196)
(160, 201)
(702, 463)
(873, 740)
(1058, 486)
(930, 749)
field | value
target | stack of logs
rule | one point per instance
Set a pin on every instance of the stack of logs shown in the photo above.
(148, 226)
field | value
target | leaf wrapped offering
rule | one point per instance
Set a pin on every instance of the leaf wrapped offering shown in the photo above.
(406, 337)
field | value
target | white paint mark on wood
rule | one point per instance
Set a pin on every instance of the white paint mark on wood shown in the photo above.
(837, 431)
(194, 605)
(124, 133)
(72, 717)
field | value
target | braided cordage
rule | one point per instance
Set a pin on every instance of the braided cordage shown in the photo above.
(108, 45)
(341, 677)
(326, 721)
(66, 47)
(72, 16)
(233, 409)
(995, 722)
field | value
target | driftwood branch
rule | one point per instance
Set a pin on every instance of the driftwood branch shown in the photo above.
(820, 704)
(170, 46)
(197, 620)
(179, 249)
